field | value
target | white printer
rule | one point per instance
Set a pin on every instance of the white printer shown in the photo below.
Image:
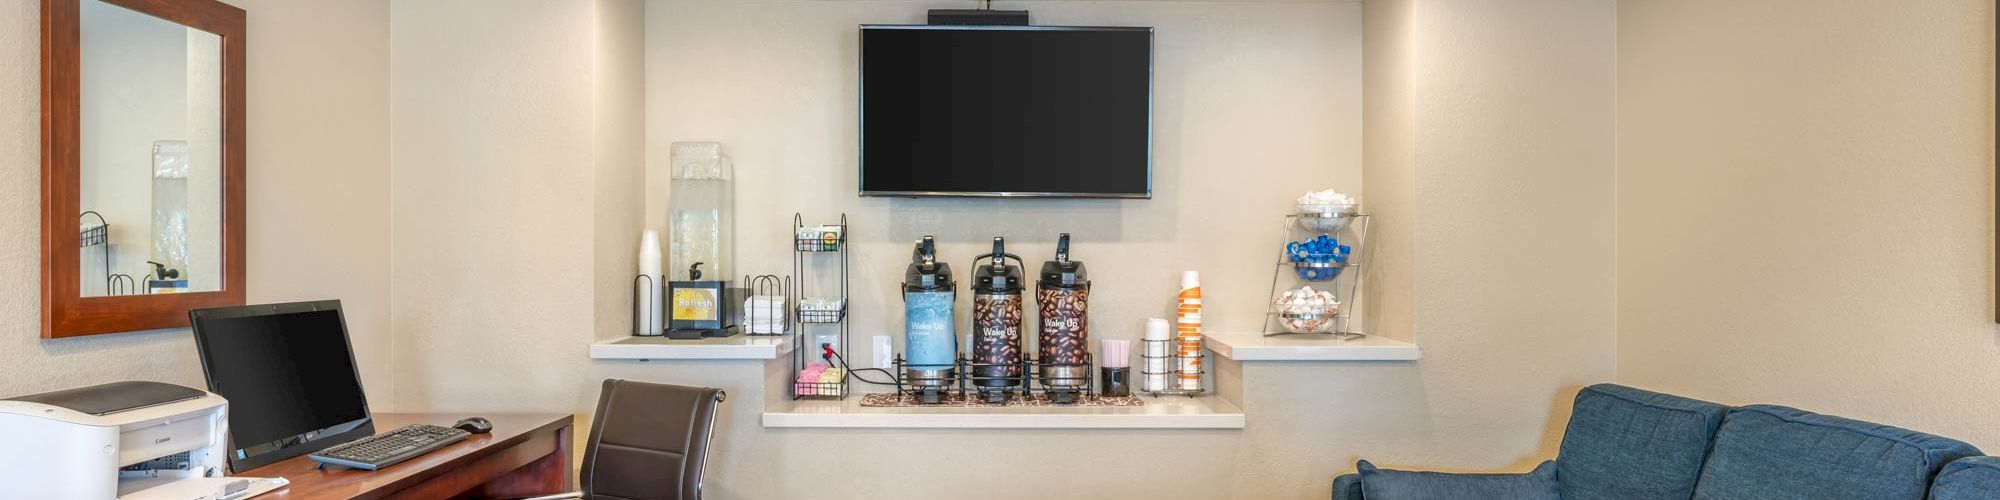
(111, 440)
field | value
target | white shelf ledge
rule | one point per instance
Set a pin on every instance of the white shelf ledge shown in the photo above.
(733, 347)
(1159, 413)
(1257, 347)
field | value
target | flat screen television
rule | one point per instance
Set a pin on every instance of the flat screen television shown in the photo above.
(1006, 111)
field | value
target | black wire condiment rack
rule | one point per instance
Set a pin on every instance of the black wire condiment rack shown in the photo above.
(804, 251)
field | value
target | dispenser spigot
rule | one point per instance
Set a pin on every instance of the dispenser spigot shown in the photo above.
(164, 272)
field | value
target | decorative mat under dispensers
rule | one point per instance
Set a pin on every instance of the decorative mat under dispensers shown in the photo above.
(953, 399)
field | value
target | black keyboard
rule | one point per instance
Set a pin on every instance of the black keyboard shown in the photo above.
(382, 450)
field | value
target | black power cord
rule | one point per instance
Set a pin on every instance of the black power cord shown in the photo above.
(855, 373)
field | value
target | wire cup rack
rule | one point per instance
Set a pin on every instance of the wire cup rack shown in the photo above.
(644, 314)
(1171, 378)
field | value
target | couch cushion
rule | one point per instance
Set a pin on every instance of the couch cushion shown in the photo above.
(1968, 479)
(1774, 452)
(1386, 484)
(1630, 444)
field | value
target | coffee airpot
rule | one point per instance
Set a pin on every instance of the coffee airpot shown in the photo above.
(928, 341)
(996, 324)
(1062, 296)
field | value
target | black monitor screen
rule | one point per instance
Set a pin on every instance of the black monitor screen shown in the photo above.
(286, 370)
(1035, 111)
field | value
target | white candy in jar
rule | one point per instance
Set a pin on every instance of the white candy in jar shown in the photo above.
(1324, 201)
(1308, 309)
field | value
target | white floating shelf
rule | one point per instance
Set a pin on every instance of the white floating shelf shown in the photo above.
(1158, 413)
(1257, 347)
(734, 347)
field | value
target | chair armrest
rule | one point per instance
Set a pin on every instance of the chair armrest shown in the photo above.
(559, 496)
(1347, 487)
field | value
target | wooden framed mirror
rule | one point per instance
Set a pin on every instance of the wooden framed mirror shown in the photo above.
(142, 163)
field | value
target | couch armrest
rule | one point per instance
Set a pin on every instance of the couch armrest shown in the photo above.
(1347, 487)
(1963, 479)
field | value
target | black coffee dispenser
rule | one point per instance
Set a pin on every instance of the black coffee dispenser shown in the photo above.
(1062, 295)
(996, 324)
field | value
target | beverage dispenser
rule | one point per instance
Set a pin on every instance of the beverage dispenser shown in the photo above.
(1062, 295)
(928, 340)
(996, 324)
(701, 232)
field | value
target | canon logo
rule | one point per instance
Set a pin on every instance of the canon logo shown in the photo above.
(162, 440)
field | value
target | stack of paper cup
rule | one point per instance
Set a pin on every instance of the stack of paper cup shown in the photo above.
(1189, 344)
(1156, 355)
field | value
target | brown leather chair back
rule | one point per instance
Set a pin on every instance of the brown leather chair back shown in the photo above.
(649, 441)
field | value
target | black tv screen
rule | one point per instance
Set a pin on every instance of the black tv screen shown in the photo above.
(1006, 111)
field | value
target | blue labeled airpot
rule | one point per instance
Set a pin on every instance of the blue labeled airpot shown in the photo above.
(928, 297)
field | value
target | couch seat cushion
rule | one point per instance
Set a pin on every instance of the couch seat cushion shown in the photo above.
(1386, 484)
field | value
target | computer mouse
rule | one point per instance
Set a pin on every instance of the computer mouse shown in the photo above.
(475, 425)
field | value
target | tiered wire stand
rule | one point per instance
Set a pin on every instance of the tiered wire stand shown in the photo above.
(1346, 285)
(804, 252)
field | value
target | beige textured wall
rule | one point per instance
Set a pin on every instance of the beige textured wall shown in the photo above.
(1805, 207)
(1388, 131)
(1514, 277)
(620, 113)
(319, 167)
(1490, 145)
(492, 104)
(318, 173)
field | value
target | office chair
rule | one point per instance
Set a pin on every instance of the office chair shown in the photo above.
(647, 442)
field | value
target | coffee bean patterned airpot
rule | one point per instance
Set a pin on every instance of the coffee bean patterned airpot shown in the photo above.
(1065, 334)
(996, 329)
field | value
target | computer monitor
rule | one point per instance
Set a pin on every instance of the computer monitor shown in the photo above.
(288, 373)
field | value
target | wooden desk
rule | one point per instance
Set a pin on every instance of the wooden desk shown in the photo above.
(525, 455)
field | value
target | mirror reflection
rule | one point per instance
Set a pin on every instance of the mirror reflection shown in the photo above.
(151, 155)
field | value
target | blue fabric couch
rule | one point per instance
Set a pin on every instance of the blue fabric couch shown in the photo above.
(1629, 444)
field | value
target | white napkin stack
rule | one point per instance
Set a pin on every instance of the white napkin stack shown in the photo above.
(764, 314)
